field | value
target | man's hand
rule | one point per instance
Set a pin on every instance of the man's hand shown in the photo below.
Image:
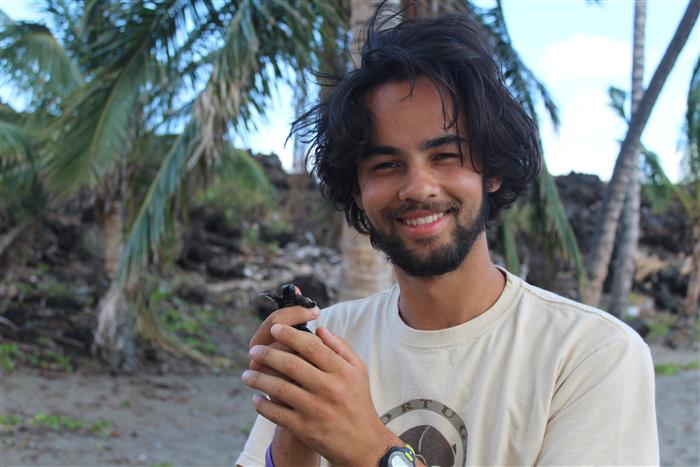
(321, 395)
(290, 316)
(291, 451)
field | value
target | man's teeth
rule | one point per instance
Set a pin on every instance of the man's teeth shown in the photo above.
(424, 220)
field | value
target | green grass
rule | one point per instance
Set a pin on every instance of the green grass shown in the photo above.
(10, 420)
(9, 353)
(665, 369)
(64, 422)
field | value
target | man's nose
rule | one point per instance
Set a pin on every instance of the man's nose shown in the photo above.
(419, 185)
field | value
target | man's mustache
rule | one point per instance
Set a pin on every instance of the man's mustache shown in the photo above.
(432, 206)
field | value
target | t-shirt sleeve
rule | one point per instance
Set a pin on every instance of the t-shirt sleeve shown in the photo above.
(603, 412)
(253, 454)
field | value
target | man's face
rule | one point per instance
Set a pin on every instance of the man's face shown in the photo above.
(426, 206)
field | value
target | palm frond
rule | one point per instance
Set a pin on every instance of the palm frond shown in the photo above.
(522, 82)
(659, 190)
(247, 171)
(16, 145)
(152, 219)
(33, 60)
(550, 219)
(22, 192)
(510, 247)
(87, 148)
(690, 166)
(260, 35)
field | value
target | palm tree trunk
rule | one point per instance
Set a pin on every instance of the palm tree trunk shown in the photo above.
(609, 213)
(692, 297)
(114, 340)
(624, 263)
(365, 270)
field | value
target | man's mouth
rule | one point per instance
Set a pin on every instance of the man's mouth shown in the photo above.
(429, 219)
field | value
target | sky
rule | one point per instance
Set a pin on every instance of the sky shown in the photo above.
(577, 49)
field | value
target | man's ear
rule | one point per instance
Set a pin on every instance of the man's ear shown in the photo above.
(357, 196)
(493, 184)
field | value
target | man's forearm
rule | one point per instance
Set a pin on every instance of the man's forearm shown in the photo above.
(288, 450)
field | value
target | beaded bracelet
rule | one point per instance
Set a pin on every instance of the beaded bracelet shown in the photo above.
(268, 457)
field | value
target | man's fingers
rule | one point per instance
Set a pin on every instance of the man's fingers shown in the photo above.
(276, 413)
(310, 347)
(277, 388)
(290, 366)
(339, 346)
(254, 365)
(289, 316)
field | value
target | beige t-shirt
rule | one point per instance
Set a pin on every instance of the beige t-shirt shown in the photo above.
(536, 379)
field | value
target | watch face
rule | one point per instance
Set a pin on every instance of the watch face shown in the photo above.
(399, 459)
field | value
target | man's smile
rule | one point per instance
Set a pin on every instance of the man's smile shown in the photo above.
(417, 218)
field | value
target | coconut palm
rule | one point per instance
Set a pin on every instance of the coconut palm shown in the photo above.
(660, 190)
(623, 270)
(599, 254)
(144, 64)
(690, 198)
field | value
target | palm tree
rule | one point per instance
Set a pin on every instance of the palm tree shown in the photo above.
(364, 270)
(627, 250)
(143, 64)
(660, 190)
(604, 236)
(690, 198)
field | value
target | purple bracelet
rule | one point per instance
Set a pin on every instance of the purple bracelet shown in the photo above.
(268, 457)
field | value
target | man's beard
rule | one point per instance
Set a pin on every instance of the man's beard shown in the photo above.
(442, 259)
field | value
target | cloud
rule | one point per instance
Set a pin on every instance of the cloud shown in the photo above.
(582, 56)
(588, 138)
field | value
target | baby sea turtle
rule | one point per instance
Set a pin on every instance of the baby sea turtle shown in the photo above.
(289, 297)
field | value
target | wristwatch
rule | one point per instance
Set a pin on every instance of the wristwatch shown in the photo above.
(399, 457)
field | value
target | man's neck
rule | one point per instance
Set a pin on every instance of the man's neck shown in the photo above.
(440, 302)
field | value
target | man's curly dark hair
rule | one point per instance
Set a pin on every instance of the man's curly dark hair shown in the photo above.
(452, 51)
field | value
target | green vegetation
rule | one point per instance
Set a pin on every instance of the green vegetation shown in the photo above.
(191, 326)
(9, 353)
(10, 420)
(666, 369)
(64, 422)
(57, 422)
(47, 356)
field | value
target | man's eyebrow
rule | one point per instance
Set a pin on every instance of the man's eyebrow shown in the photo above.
(443, 141)
(381, 151)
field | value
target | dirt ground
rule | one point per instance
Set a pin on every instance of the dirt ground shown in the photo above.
(204, 419)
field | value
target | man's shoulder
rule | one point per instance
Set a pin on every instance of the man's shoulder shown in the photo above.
(574, 318)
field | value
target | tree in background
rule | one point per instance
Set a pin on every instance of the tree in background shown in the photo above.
(623, 270)
(598, 257)
(127, 77)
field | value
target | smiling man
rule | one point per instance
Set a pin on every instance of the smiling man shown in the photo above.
(461, 362)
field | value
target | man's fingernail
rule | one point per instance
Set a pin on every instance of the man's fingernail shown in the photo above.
(275, 328)
(315, 312)
(246, 375)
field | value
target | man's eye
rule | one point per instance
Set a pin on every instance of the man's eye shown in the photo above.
(385, 165)
(447, 156)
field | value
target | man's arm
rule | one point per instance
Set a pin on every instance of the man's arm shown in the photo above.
(323, 399)
(291, 450)
(603, 412)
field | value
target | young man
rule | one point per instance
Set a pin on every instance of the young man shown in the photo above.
(423, 146)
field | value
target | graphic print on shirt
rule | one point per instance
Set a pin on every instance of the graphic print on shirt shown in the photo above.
(436, 432)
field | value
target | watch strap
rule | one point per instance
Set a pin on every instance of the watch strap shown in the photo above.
(402, 456)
